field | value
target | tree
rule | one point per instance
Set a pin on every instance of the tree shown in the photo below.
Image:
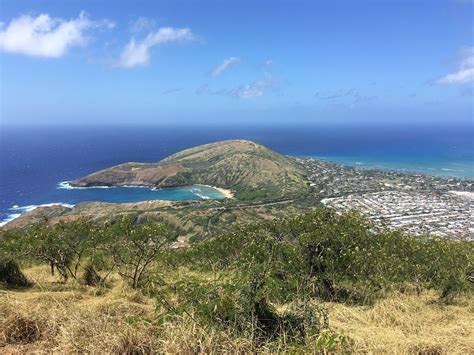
(77, 238)
(62, 246)
(135, 246)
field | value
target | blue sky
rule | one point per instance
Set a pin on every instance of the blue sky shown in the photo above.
(88, 62)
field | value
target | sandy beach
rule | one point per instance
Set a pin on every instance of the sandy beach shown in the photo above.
(227, 193)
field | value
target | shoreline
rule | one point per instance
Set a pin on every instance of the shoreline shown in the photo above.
(67, 186)
(366, 163)
(227, 193)
(18, 211)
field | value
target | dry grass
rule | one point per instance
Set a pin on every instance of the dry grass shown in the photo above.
(408, 324)
(74, 318)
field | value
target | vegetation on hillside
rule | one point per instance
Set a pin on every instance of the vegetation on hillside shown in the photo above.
(251, 170)
(264, 287)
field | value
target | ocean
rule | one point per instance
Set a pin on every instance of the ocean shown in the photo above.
(37, 162)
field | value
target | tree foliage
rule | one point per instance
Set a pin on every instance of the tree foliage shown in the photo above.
(61, 246)
(125, 245)
(337, 257)
(134, 247)
(295, 262)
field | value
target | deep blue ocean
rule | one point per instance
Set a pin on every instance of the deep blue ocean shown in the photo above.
(34, 161)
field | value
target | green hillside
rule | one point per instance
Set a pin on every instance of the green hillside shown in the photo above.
(251, 170)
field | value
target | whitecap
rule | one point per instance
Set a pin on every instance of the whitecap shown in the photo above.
(30, 208)
(198, 192)
(446, 169)
(19, 210)
(10, 218)
(66, 185)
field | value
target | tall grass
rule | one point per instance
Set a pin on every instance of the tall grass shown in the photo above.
(320, 282)
(72, 318)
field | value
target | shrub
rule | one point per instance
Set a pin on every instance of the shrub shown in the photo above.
(134, 247)
(337, 257)
(244, 307)
(91, 277)
(304, 318)
(329, 342)
(11, 275)
(61, 246)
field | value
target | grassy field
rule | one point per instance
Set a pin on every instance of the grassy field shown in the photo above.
(71, 317)
(319, 282)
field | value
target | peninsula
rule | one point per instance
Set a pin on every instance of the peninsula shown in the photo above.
(260, 184)
(249, 169)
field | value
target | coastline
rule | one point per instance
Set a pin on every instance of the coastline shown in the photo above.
(16, 211)
(227, 193)
(446, 169)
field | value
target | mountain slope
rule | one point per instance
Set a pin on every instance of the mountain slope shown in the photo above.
(250, 169)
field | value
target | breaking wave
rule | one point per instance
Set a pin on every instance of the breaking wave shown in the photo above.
(19, 210)
(66, 185)
(198, 193)
(446, 169)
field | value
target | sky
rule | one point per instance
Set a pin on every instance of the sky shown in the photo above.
(227, 62)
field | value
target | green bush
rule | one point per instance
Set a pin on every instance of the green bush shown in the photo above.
(62, 246)
(243, 306)
(11, 275)
(289, 263)
(337, 257)
(127, 246)
(134, 247)
(91, 277)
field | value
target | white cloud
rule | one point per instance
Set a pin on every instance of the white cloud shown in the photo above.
(225, 65)
(142, 24)
(257, 88)
(138, 53)
(44, 36)
(460, 77)
(266, 64)
(465, 73)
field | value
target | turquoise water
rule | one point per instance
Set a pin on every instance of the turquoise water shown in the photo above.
(69, 196)
(74, 195)
(33, 160)
(438, 167)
